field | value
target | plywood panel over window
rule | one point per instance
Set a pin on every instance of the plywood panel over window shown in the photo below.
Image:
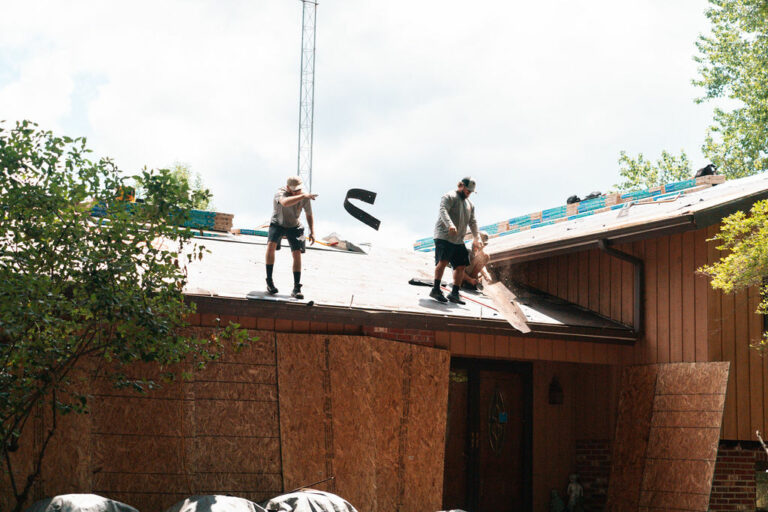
(369, 412)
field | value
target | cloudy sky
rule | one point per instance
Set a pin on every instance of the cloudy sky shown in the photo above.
(533, 99)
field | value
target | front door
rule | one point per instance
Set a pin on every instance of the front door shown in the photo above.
(488, 456)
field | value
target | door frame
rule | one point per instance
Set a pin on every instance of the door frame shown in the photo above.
(525, 369)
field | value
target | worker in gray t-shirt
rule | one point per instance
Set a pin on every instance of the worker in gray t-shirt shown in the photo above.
(287, 205)
(456, 214)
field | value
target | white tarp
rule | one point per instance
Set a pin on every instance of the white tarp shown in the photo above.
(79, 503)
(214, 503)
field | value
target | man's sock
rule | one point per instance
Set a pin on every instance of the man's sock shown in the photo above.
(269, 271)
(455, 289)
(297, 277)
(437, 284)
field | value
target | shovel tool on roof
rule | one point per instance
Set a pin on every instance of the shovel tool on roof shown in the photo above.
(505, 301)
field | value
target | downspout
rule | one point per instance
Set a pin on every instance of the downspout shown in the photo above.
(639, 285)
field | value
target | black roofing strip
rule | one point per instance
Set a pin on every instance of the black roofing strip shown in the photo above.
(401, 319)
(367, 197)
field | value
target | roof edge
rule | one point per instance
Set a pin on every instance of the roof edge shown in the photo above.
(399, 319)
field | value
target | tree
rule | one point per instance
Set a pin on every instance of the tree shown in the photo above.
(182, 173)
(74, 288)
(639, 173)
(734, 65)
(744, 237)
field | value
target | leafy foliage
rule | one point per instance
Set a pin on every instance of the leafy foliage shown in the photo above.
(73, 287)
(184, 176)
(734, 65)
(744, 237)
(639, 173)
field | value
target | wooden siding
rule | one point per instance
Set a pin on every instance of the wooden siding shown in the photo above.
(685, 319)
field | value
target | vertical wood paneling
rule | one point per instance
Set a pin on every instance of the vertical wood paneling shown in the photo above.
(648, 348)
(628, 289)
(730, 423)
(741, 342)
(472, 344)
(754, 323)
(662, 299)
(594, 281)
(516, 348)
(605, 284)
(545, 350)
(559, 351)
(701, 294)
(615, 297)
(563, 280)
(487, 345)
(688, 266)
(714, 306)
(675, 299)
(572, 271)
(501, 346)
(583, 299)
(552, 269)
(458, 343)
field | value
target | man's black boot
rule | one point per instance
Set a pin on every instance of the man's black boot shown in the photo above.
(296, 293)
(454, 296)
(437, 295)
(271, 287)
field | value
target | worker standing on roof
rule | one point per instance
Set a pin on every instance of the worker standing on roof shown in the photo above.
(456, 213)
(287, 205)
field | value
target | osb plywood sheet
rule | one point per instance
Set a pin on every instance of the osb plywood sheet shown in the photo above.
(303, 426)
(238, 418)
(692, 379)
(664, 457)
(131, 454)
(234, 391)
(425, 445)
(387, 388)
(142, 416)
(354, 413)
(237, 372)
(232, 454)
(386, 402)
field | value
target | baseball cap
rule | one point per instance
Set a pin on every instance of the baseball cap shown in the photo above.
(295, 183)
(469, 183)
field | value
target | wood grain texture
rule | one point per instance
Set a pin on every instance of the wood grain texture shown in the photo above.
(387, 407)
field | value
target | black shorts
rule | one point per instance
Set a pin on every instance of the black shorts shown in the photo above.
(277, 232)
(455, 254)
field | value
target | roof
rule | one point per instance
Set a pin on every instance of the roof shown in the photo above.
(368, 289)
(632, 221)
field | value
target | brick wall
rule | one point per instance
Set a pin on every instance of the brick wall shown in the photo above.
(733, 486)
(593, 463)
(418, 336)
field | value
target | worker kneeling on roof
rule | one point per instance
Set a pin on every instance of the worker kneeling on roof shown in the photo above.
(456, 213)
(288, 203)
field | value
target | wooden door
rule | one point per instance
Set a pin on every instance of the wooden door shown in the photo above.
(488, 457)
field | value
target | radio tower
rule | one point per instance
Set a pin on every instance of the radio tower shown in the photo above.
(307, 91)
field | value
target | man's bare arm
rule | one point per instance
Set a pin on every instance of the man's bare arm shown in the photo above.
(292, 200)
(311, 223)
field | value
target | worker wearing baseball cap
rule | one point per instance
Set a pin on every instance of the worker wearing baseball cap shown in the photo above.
(288, 203)
(456, 214)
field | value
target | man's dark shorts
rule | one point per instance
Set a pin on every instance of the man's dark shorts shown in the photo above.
(455, 254)
(277, 232)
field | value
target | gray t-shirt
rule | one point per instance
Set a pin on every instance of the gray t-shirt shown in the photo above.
(288, 216)
(458, 213)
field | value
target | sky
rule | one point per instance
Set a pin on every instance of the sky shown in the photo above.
(534, 100)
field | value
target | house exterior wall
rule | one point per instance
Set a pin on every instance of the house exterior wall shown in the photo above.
(685, 319)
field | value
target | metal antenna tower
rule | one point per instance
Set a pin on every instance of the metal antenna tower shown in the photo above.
(307, 91)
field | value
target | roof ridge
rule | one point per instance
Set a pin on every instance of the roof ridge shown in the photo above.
(604, 202)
